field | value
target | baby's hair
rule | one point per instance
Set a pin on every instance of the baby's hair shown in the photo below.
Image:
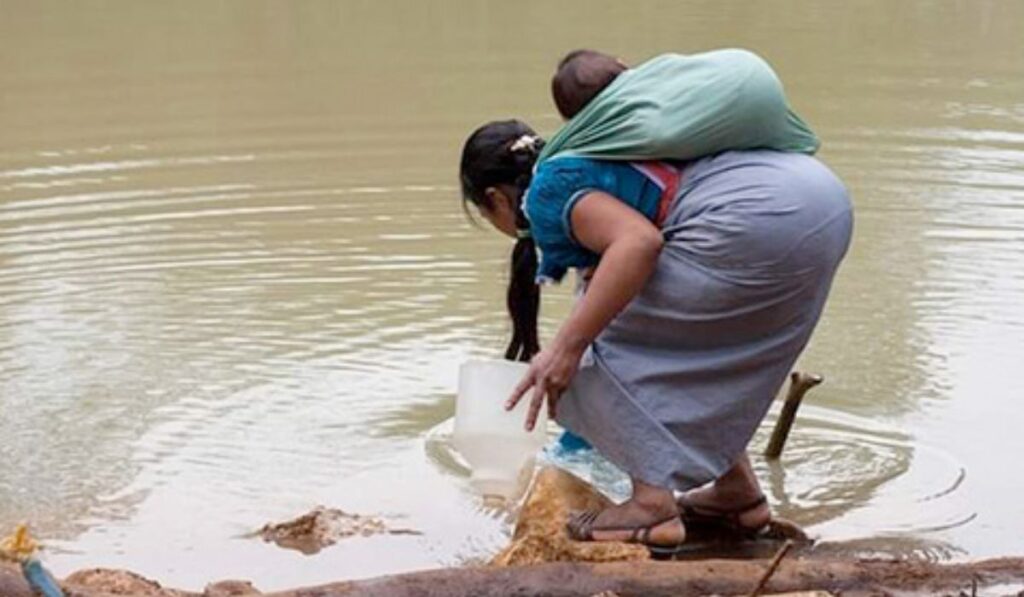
(580, 76)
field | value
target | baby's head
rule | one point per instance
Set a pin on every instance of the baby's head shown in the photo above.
(580, 76)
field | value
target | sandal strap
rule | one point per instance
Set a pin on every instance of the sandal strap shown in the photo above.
(694, 509)
(633, 527)
(645, 534)
(693, 514)
(581, 525)
(762, 499)
(642, 535)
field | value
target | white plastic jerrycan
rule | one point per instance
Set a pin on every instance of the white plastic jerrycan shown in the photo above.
(493, 441)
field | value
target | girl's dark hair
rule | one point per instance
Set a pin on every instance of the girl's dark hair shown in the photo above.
(503, 153)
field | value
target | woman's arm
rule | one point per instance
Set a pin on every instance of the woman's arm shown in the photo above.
(629, 245)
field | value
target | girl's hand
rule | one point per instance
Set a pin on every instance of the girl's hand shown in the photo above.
(549, 375)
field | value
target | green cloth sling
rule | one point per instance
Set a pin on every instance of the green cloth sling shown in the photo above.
(683, 107)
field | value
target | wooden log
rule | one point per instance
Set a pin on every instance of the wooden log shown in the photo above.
(684, 579)
(772, 567)
(799, 383)
(625, 579)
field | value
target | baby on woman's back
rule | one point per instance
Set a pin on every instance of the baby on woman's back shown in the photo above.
(580, 76)
(672, 106)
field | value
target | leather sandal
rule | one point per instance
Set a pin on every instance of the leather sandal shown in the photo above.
(721, 519)
(581, 528)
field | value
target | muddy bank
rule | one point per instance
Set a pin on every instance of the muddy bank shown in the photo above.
(323, 527)
(541, 560)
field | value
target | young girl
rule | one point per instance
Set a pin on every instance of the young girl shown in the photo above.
(706, 287)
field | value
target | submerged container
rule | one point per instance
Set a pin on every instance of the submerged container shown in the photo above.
(493, 441)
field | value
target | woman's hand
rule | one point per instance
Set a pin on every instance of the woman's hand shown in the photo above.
(549, 375)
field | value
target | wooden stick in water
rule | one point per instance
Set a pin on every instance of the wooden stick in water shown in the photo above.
(799, 383)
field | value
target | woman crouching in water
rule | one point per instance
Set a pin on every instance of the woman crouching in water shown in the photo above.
(708, 279)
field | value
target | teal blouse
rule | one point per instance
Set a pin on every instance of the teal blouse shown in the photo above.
(557, 187)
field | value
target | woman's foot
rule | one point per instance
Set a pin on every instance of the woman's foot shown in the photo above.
(733, 501)
(650, 518)
(742, 511)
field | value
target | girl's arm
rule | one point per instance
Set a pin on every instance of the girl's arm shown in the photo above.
(629, 245)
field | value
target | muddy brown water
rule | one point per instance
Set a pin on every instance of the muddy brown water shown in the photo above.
(235, 281)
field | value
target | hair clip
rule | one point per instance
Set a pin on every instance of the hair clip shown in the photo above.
(523, 233)
(526, 141)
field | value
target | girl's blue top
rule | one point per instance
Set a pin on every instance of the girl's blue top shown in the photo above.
(557, 187)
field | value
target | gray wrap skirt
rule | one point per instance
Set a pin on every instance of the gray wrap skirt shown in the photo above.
(674, 388)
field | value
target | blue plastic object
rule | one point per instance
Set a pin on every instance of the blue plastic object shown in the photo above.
(570, 442)
(39, 579)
